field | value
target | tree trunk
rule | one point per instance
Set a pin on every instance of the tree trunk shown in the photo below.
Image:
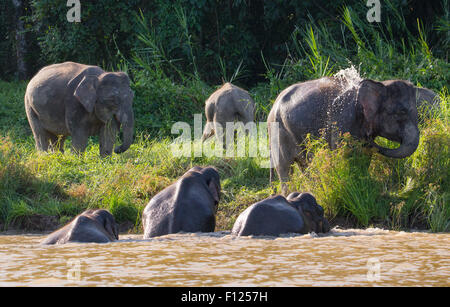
(21, 44)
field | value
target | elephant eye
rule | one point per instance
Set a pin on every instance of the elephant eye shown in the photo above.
(112, 101)
(402, 113)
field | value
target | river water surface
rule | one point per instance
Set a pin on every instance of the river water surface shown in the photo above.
(341, 258)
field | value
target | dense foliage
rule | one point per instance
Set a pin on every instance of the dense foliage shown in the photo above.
(207, 37)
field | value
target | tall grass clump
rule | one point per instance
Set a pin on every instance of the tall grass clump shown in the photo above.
(318, 49)
(370, 189)
(341, 181)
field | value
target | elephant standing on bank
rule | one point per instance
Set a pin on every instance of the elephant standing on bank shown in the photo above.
(276, 215)
(427, 100)
(227, 104)
(367, 110)
(80, 101)
(91, 226)
(188, 205)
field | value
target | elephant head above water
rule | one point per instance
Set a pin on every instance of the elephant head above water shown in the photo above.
(276, 215)
(367, 110)
(80, 101)
(311, 212)
(91, 226)
(188, 205)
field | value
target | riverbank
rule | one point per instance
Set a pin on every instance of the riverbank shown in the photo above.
(43, 191)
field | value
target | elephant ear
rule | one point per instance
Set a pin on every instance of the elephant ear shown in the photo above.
(109, 223)
(214, 189)
(111, 227)
(212, 180)
(86, 92)
(370, 96)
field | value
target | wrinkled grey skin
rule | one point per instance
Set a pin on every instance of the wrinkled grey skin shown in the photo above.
(371, 109)
(276, 215)
(427, 101)
(91, 226)
(188, 205)
(80, 101)
(227, 104)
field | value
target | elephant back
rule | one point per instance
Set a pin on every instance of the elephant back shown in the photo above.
(270, 217)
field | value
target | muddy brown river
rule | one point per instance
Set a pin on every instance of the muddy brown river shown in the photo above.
(371, 257)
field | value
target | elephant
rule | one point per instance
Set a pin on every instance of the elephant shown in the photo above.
(188, 205)
(227, 104)
(276, 215)
(72, 99)
(326, 107)
(427, 101)
(91, 226)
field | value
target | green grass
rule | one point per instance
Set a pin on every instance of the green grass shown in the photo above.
(348, 182)
(65, 184)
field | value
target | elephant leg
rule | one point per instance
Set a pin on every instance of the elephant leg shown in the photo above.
(60, 144)
(219, 129)
(107, 138)
(283, 157)
(57, 142)
(41, 136)
(225, 134)
(284, 170)
(79, 140)
(303, 159)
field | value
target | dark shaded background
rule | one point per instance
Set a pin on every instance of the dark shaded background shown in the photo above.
(230, 31)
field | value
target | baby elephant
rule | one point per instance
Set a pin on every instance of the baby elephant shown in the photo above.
(298, 213)
(77, 100)
(227, 104)
(91, 226)
(187, 205)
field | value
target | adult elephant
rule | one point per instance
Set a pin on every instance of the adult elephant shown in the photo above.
(80, 101)
(298, 213)
(188, 205)
(91, 226)
(228, 104)
(365, 110)
(427, 101)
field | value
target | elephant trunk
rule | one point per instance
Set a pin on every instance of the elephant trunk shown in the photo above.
(409, 143)
(126, 119)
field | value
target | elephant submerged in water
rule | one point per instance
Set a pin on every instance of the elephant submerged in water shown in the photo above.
(79, 100)
(188, 205)
(91, 226)
(276, 215)
(366, 110)
(227, 104)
